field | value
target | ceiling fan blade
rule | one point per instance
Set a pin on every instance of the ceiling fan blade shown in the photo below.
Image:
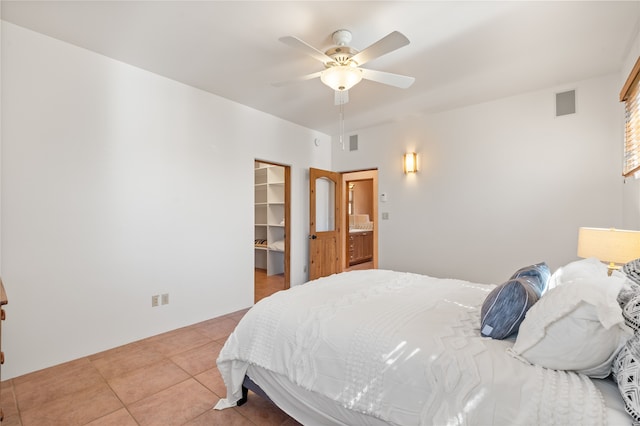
(396, 80)
(296, 43)
(389, 43)
(297, 79)
(341, 97)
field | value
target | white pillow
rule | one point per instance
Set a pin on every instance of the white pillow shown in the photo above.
(577, 326)
(277, 245)
(580, 269)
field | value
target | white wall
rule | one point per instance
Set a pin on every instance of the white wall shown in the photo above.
(118, 184)
(501, 184)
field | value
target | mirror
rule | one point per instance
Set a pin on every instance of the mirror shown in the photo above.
(351, 185)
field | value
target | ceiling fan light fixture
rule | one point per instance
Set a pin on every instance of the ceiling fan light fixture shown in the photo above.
(341, 77)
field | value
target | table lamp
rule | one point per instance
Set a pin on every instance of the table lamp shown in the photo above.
(609, 245)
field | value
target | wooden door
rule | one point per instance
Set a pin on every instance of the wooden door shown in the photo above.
(367, 246)
(325, 256)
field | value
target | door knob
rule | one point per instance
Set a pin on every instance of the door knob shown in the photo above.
(313, 237)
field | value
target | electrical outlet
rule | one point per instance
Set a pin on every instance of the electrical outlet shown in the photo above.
(165, 299)
(385, 216)
(154, 301)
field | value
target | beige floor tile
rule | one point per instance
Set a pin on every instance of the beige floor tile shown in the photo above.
(236, 316)
(47, 373)
(213, 381)
(227, 417)
(143, 382)
(60, 381)
(218, 329)
(291, 422)
(9, 405)
(117, 418)
(179, 341)
(262, 412)
(8, 398)
(174, 406)
(13, 420)
(74, 409)
(126, 360)
(113, 351)
(197, 360)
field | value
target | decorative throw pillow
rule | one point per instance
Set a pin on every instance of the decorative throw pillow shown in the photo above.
(628, 291)
(505, 307)
(538, 275)
(631, 312)
(632, 270)
(626, 371)
(577, 326)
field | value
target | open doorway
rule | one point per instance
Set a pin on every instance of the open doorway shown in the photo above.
(272, 223)
(331, 207)
(360, 243)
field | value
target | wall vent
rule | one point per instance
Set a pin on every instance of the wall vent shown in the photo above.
(353, 143)
(565, 103)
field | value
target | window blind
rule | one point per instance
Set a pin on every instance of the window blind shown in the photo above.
(630, 95)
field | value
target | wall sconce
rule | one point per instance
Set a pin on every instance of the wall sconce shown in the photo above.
(410, 162)
(612, 246)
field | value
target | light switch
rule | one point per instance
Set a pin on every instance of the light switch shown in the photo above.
(383, 197)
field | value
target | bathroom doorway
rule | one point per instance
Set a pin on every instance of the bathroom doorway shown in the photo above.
(360, 245)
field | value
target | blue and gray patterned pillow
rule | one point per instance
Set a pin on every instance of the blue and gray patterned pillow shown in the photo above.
(506, 306)
(538, 274)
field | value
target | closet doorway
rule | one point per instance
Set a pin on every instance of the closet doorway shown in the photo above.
(272, 223)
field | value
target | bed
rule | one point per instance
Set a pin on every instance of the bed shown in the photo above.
(378, 347)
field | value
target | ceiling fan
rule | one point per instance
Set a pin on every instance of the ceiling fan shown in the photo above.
(343, 63)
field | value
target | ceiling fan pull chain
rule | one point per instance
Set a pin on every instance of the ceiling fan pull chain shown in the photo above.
(341, 125)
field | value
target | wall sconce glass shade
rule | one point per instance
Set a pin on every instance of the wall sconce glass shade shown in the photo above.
(612, 246)
(341, 77)
(410, 162)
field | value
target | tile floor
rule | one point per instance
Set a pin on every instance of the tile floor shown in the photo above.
(266, 285)
(169, 379)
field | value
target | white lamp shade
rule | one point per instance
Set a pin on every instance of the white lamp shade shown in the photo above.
(341, 77)
(609, 245)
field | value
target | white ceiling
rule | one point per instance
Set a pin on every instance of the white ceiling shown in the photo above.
(460, 53)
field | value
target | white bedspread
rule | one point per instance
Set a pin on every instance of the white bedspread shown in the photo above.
(404, 348)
